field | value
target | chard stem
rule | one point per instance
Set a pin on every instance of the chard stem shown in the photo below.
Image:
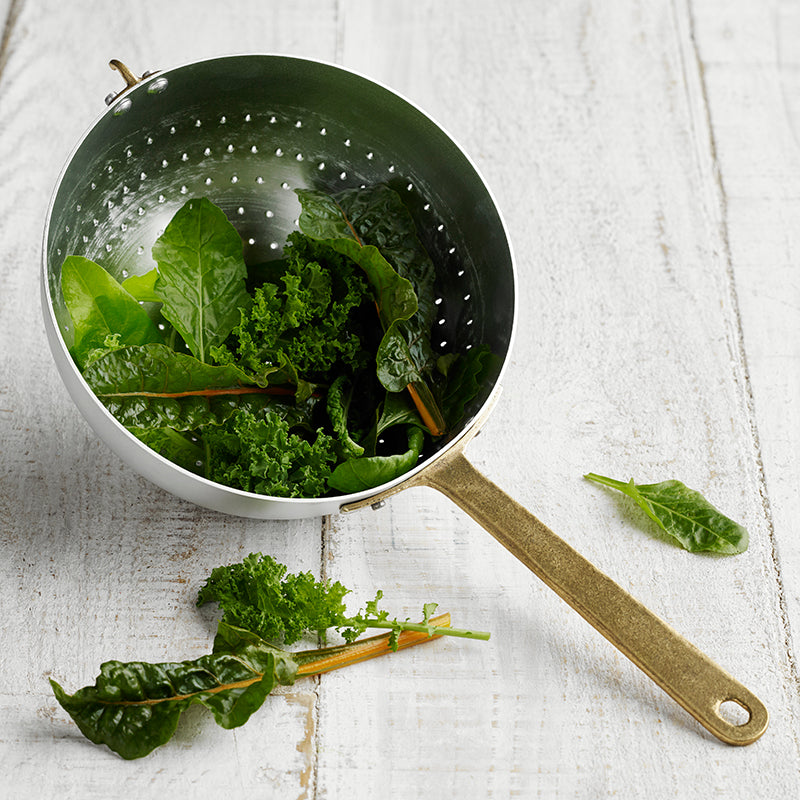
(331, 658)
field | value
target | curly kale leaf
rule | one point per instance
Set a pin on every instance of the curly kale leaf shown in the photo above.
(258, 594)
(311, 319)
(261, 454)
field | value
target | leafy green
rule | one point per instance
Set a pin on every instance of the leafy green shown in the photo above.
(351, 223)
(99, 307)
(258, 594)
(357, 474)
(309, 323)
(465, 374)
(277, 377)
(377, 216)
(134, 707)
(338, 404)
(684, 514)
(152, 386)
(143, 287)
(396, 410)
(201, 275)
(182, 448)
(261, 454)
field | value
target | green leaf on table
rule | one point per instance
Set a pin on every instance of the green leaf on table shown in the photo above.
(100, 307)
(134, 707)
(367, 472)
(684, 514)
(260, 595)
(201, 275)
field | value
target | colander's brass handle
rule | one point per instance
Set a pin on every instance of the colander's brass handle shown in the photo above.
(677, 666)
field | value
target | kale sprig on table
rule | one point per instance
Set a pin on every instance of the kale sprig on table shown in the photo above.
(299, 377)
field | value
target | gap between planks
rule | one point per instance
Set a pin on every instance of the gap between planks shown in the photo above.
(748, 396)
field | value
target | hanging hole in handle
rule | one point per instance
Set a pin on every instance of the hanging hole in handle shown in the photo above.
(734, 712)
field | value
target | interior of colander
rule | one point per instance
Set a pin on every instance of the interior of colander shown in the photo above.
(244, 131)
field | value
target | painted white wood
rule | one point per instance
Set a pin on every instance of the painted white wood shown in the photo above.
(646, 161)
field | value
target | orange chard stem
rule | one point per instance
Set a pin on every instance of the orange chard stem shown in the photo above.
(370, 648)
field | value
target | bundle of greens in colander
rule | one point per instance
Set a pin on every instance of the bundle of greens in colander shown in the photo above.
(300, 377)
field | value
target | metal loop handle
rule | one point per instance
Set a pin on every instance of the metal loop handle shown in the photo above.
(130, 79)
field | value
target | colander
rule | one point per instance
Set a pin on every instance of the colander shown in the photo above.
(245, 131)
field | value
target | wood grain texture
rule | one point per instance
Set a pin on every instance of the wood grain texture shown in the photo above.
(646, 159)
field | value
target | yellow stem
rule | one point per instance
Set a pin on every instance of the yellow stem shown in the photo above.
(371, 648)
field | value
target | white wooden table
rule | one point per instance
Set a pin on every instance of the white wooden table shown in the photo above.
(646, 157)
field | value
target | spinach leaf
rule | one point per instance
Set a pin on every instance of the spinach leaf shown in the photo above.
(180, 447)
(396, 410)
(100, 307)
(142, 287)
(684, 514)
(134, 707)
(201, 275)
(357, 474)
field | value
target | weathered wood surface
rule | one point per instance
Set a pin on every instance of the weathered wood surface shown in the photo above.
(646, 159)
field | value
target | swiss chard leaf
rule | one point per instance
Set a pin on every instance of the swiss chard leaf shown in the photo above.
(376, 215)
(338, 405)
(404, 356)
(465, 375)
(357, 474)
(201, 275)
(100, 307)
(134, 707)
(152, 386)
(684, 514)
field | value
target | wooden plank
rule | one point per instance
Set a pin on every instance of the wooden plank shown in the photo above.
(98, 563)
(590, 124)
(752, 78)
